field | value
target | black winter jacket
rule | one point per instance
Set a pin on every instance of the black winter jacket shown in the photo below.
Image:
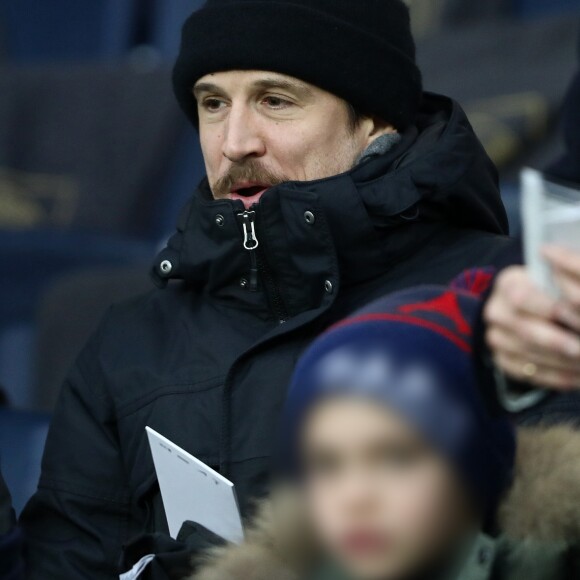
(205, 361)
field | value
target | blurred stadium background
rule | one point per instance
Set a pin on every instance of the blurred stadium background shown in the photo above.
(96, 159)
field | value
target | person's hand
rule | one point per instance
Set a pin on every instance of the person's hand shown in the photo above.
(173, 558)
(533, 337)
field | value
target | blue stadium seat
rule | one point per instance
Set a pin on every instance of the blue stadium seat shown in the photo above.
(22, 438)
(31, 260)
(41, 30)
(168, 17)
(187, 169)
(185, 173)
(536, 8)
(17, 345)
(85, 148)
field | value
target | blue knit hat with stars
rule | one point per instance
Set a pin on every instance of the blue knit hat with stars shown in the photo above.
(414, 352)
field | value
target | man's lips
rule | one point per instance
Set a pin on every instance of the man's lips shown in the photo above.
(248, 193)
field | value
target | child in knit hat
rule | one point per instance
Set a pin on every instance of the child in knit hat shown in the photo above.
(401, 460)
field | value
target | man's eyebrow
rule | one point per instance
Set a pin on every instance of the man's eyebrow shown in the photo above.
(207, 88)
(299, 88)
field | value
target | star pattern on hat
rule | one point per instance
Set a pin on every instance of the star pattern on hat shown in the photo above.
(447, 305)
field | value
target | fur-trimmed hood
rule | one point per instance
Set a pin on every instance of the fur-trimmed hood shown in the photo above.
(543, 505)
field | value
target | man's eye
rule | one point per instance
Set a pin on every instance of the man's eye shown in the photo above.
(213, 105)
(276, 103)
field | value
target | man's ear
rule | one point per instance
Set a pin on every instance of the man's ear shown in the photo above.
(375, 128)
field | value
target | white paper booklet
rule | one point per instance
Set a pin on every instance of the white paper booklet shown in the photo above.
(551, 215)
(192, 491)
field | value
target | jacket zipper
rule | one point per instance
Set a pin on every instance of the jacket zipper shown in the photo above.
(248, 219)
(258, 265)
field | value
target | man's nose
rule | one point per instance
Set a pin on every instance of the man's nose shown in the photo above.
(242, 138)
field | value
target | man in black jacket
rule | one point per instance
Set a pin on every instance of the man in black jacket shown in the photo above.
(332, 180)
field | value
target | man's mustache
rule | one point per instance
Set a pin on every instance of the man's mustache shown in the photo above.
(251, 172)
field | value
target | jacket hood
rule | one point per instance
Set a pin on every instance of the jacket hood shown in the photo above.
(542, 506)
(366, 219)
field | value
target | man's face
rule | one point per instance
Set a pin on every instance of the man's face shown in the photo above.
(259, 129)
(383, 503)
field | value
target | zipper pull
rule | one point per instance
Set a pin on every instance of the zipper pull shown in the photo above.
(248, 219)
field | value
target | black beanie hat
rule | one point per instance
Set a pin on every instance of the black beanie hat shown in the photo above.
(361, 50)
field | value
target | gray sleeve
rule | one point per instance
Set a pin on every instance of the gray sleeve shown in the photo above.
(515, 401)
